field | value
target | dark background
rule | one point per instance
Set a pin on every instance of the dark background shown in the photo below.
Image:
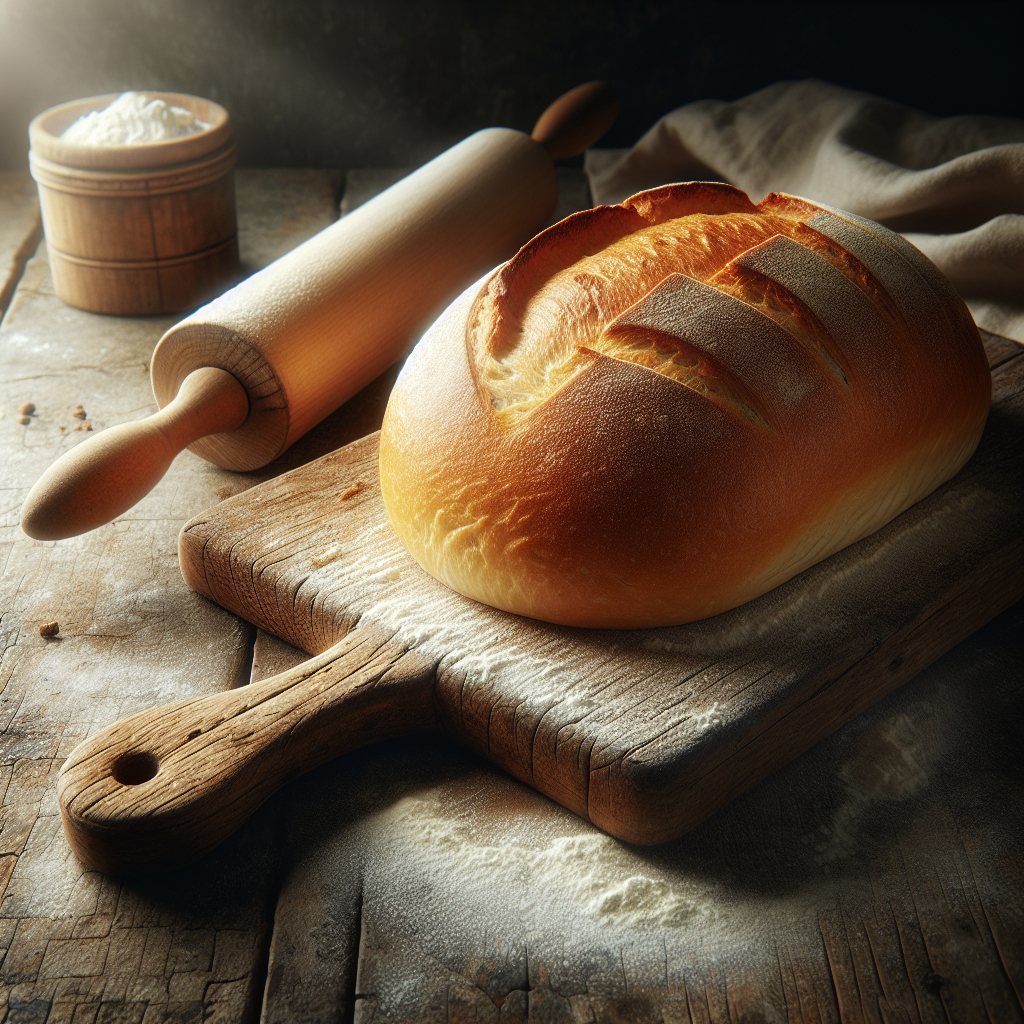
(346, 83)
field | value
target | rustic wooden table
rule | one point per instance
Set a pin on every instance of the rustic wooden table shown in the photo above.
(877, 878)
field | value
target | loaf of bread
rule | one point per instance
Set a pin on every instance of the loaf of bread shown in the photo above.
(658, 411)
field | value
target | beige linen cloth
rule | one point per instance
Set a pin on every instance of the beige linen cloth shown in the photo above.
(952, 186)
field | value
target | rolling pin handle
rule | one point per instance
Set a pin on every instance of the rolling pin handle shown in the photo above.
(576, 120)
(105, 476)
(163, 787)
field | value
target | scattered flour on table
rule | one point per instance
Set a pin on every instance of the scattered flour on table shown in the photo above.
(134, 117)
(435, 622)
(891, 762)
(708, 719)
(592, 874)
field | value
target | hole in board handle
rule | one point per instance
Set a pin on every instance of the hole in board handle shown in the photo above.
(135, 768)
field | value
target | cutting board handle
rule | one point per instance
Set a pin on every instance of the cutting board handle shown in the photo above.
(163, 787)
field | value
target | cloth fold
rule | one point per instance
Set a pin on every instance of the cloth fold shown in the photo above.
(953, 186)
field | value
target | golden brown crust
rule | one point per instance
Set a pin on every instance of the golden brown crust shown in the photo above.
(660, 410)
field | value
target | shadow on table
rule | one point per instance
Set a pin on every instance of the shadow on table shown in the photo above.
(414, 873)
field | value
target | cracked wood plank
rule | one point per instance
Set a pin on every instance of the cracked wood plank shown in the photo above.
(76, 944)
(20, 230)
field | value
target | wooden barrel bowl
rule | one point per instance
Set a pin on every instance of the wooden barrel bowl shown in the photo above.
(138, 229)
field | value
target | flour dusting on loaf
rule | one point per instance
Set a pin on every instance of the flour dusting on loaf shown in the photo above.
(658, 411)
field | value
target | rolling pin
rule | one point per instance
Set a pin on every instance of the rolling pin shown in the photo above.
(247, 375)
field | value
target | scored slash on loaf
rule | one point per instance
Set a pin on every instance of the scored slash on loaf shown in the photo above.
(658, 411)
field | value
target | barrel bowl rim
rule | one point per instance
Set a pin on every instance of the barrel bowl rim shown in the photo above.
(45, 129)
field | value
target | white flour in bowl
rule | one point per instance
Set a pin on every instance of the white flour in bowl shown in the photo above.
(132, 118)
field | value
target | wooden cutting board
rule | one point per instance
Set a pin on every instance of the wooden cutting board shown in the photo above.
(644, 732)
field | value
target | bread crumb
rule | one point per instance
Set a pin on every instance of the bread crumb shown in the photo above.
(321, 558)
(79, 413)
(62, 429)
(49, 628)
(26, 409)
(353, 490)
(24, 420)
(84, 425)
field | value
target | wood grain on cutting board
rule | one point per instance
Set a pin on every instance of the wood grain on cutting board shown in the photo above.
(644, 732)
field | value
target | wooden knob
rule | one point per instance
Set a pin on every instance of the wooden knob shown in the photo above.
(575, 121)
(161, 788)
(105, 476)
